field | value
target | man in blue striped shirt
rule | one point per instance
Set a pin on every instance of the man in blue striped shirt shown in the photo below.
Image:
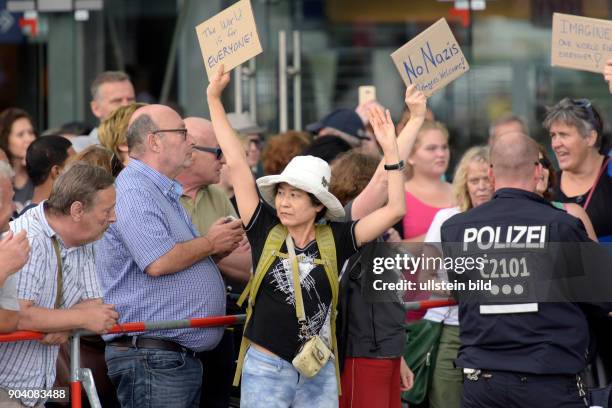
(153, 265)
(55, 294)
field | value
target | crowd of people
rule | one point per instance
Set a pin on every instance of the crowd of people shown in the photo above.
(151, 216)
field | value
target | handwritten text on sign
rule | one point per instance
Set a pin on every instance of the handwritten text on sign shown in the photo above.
(580, 42)
(431, 60)
(229, 37)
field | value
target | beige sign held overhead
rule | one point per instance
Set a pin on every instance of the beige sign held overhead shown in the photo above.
(581, 43)
(432, 59)
(229, 38)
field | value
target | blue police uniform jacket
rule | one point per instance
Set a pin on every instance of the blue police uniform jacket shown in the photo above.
(554, 339)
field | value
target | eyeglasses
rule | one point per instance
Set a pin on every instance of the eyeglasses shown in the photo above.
(588, 107)
(214, 150)
(183, 132)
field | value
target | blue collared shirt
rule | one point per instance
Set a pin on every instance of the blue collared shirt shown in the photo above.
(150, 222)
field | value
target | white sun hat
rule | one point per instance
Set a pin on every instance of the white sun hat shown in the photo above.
(307, 173)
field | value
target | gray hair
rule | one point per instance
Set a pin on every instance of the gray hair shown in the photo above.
(138, 131)
(106, 77)
(81, 182)
(584, 119)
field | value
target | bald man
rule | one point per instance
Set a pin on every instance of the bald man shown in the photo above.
(517, 353)
(154, 265)
(206, 204)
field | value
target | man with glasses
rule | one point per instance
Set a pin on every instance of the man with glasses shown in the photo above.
(206, 204)
(154, 265)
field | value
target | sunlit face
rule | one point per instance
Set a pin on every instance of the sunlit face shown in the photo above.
(479, 184)
(100, 216)
(21, 136)
(206, 167)
(431, 156)
(570, 148)
(7, 206)
(294, 206)
(177, 148)
(112, 95)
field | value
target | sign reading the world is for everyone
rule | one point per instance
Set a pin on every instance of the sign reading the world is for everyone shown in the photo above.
(229, 38)
(580, 42)
(432, 59)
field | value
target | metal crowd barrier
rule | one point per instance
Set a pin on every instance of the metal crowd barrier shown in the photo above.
(82, 377)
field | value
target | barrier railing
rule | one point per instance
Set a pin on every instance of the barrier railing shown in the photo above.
(82, 377)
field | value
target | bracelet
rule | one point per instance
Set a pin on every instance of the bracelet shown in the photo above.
(397, 166)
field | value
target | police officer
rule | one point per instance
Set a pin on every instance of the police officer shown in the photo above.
(527, 354)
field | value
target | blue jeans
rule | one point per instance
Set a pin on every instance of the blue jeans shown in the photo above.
(271, 382)
(154, 378)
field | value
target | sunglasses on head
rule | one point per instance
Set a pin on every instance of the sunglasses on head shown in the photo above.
(588, 107)
(214, 150)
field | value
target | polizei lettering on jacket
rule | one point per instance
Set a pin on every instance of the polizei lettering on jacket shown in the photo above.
(511, 236)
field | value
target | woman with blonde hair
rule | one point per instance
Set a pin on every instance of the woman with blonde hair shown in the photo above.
(113, 129)
(97, 155)
(471, 188)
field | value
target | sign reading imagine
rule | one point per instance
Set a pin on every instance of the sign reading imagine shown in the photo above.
(580, 42)
(229, 37)
(432, 59)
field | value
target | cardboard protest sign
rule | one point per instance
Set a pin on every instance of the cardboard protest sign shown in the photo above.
(431, 60)
(229, 38)
(581, 43)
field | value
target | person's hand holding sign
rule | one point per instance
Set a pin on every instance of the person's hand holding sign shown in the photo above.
(416, 101)
(608, 73)
(218, 82)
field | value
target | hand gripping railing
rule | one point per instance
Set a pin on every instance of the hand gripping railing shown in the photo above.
(84, 376)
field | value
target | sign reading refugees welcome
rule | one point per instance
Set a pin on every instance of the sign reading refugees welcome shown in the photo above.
(431, 60)
(229, 38)
(580, 42)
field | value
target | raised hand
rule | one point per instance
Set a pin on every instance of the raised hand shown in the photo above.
(416, 101)
(218, 82)
(384, 130)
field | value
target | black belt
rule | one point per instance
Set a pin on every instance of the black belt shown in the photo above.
(475, 374)
(150, 343)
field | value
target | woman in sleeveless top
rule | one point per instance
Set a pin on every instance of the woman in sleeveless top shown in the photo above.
(546, 187)
(426, 192)
(576, 132)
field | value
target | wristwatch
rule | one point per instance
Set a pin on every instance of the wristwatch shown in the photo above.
(397, 166)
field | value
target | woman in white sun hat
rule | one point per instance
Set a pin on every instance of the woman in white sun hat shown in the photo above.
(296, 200)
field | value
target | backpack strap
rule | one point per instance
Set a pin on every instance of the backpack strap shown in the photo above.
(327, 250)
(271, 250)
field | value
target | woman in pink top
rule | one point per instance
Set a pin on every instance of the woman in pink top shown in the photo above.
(426, 193)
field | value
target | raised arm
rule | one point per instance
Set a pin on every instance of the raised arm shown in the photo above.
(373, 225)
(374, 194)
(240, 173)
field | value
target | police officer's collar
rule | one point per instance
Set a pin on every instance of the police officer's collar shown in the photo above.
(518, 193)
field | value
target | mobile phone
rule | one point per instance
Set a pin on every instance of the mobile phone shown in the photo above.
(230, 218)
(367, 93)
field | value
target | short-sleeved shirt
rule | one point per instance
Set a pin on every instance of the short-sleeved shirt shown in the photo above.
(447, 314)
(209, 205)
(8, 294)
(150, 222)
(31, 364)
(273, 324)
